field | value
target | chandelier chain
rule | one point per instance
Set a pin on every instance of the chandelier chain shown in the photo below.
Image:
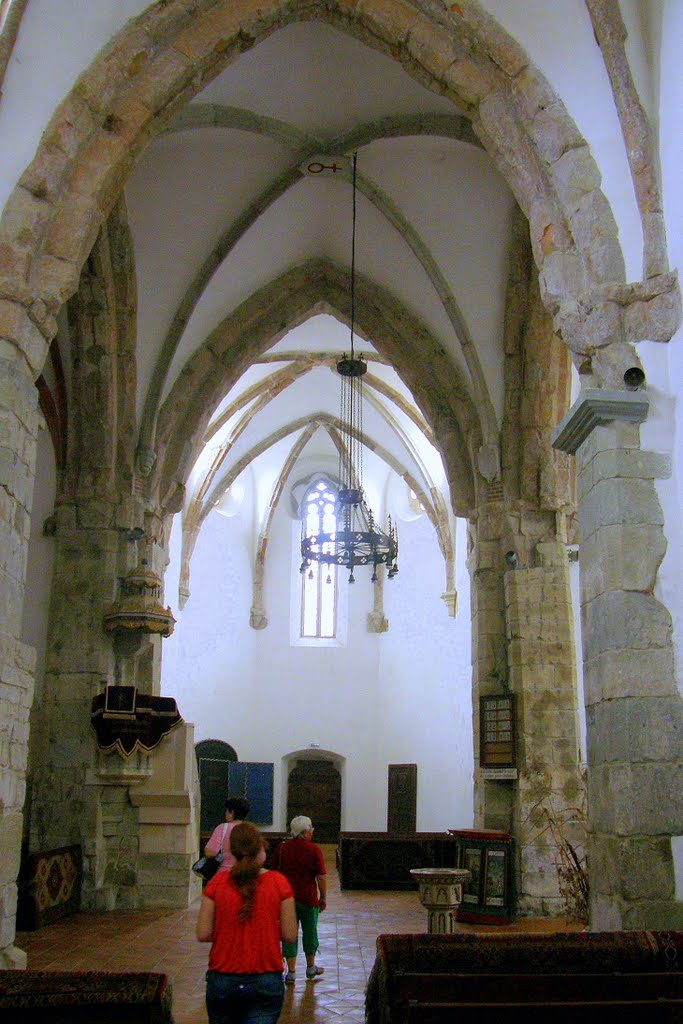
(353, 252)
(355, 539)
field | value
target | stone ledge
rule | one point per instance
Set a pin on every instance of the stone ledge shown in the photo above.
(593, 408)
(175, 799)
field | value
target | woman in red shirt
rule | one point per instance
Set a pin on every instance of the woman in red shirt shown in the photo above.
(301, 861)
(245, 914)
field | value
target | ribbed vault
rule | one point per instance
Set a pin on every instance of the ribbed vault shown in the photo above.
(159, 61)
(304, 149)
(266, 317)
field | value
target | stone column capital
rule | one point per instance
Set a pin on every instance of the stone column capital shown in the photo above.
(595, 407)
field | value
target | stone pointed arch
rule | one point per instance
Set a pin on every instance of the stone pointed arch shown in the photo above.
(272, 385)
(305, 427)
(271, 312)
(297, 365)
(257, 615)
(259, 395)
(201, 506)
(159, 61)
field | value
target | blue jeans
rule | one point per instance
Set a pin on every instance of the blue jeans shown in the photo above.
(244, 998)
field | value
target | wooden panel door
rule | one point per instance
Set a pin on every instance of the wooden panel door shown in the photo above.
(314, 789)
(213, 760)
(402, 798)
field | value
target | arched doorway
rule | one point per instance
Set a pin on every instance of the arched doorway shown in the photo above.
(314, 788)
(213, 758)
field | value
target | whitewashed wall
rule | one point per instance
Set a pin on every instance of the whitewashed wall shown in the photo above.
(400, 697)
(208, 661)
(425, 693)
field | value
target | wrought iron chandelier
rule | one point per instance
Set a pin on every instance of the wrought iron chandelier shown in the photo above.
(356, 540)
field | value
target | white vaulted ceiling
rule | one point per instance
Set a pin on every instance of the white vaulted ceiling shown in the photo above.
(222, 204)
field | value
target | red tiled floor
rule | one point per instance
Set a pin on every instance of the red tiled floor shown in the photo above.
(163, 940)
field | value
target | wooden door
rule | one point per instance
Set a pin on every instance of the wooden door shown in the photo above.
(213, 760)
(402, 798)
(314, 789)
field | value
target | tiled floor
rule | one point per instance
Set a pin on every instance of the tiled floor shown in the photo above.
(163, 940)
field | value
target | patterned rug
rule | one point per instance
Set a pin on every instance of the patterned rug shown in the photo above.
(564, 951)
(81, 996)
(49, 886)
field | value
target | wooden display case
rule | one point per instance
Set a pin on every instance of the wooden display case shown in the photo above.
(489, 896)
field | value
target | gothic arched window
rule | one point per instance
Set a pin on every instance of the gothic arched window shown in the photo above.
(319, 581)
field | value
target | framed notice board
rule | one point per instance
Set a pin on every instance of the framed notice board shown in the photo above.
(497, 731)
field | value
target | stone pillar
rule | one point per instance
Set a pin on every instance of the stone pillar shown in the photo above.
(492, 802)
(19, 419)
(634, 711)
(549, 806)
(523, 645)
(108, 803)
(79, 658)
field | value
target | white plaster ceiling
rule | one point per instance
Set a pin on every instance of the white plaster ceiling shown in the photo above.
(441, 225)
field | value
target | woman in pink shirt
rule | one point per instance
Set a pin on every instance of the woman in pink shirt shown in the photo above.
(236, 810)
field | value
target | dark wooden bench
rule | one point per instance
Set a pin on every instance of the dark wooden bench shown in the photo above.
(605, 1011)
(82, 997)
(524, 988)
(585, 978)
(382, 860)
